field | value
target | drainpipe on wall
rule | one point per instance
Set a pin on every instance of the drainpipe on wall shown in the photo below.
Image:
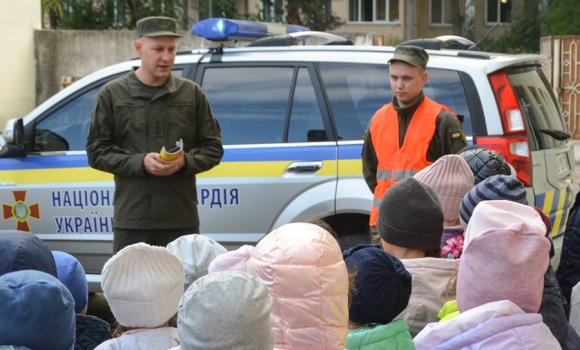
(409, 19)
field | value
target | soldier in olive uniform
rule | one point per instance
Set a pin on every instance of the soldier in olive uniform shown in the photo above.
(411, 132)
(135, 116)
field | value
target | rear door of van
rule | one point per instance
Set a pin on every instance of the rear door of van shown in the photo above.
(552, 152)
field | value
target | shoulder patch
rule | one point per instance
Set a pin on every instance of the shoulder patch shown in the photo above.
(455, 133)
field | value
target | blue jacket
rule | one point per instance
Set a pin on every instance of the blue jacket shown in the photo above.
(91, 331)
(568, 272)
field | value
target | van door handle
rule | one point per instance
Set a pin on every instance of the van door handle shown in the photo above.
(299, 167)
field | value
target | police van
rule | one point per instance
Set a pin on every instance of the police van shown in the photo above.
(292, 119)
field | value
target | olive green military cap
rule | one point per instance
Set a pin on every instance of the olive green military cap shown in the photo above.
(413, 55)
(157, 26)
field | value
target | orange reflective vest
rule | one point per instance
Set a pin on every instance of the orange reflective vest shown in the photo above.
(396, 163)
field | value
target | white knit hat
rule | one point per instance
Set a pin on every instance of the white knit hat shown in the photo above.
(143, 285)
(196, 252)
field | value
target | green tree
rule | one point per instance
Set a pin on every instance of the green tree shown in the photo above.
(314, 14)
(523, 36)
(218, 8)
(563, 18)
(107, 14)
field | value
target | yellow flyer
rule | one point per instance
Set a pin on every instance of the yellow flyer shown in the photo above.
(172, 153)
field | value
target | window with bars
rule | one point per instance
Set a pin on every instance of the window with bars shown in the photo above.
(499, 11)
(384, 11)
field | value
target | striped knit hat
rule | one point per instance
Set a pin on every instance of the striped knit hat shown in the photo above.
(496, 187)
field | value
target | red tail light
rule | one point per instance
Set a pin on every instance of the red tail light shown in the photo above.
(515, 150)
(514, 145)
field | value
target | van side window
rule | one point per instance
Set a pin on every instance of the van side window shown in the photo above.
(305, 119)
(66, 128)
(250, 103)
(357, 90)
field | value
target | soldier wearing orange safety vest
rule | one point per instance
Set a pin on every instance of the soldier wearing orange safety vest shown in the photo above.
(409, 133)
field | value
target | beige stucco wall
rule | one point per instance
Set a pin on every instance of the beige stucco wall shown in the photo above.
(18, 19)
(394, 33)
(421, 28)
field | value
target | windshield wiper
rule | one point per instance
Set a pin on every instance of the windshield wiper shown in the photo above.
(557, 134)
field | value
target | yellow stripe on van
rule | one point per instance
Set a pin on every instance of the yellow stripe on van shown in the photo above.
(548, 200)
(350, 167)
(61, 175)
(559, 210)
(226, 169)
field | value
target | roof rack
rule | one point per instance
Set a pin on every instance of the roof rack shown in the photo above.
(294, 38)
(452, 42)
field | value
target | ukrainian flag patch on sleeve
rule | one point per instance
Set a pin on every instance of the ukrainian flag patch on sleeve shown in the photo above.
(455, 133)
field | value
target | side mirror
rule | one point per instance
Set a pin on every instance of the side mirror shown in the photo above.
(12, 140)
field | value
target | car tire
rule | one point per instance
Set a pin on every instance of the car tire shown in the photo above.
(349, 241)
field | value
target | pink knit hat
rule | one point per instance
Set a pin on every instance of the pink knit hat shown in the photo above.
(503, 259)
(499, 214)
(234, 260)
(451, 178)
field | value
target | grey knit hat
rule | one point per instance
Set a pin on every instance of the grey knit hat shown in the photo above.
(226, 310)
(410, 216)
(497, 187)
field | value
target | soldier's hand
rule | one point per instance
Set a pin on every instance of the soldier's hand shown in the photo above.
(155, 165)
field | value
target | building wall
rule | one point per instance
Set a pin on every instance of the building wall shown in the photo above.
(76, 53)
(421, 28)
(18, 19)
(393, 33)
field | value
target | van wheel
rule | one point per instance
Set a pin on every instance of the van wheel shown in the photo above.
(349, 241)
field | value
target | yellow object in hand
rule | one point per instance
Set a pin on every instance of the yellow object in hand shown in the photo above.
(172, 153)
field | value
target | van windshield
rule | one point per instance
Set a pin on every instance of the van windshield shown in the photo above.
(538, 105)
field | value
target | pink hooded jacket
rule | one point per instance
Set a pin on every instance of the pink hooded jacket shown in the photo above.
(496, 325)
(302, 266)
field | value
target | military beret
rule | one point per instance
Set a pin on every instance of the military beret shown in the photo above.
(413, 55)
(157, 26)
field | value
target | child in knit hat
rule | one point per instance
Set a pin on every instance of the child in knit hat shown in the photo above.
(451, 178)
(302, 266)
(36, 311)
(499, 285)
(90, 330)
(197, 252)
(233, 260)
(410, 224)
(501, 213)
(24, 251)
(496, 187)
(225, 310)
(143, 285)
(382, 291)
(485, 162)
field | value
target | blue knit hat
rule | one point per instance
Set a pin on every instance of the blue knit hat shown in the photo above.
(383, 285)
(24, 251)
(497, 187)
(72, 275)
(36, 311)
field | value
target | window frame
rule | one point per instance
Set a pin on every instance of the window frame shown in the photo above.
(315, 80)
(442, 24)
(498, 14)
(374, 21)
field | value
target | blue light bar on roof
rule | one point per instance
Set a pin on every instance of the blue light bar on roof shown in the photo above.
(232, 29)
